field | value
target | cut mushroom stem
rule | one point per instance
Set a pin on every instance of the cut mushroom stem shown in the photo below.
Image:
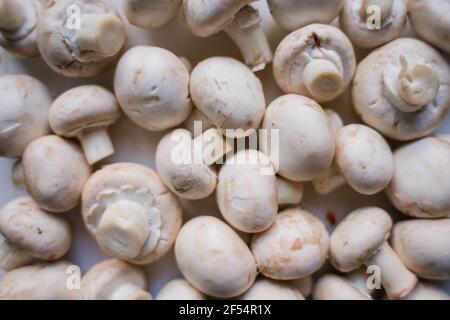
(11, 15)
(12, 257)
(246, 32)
(130, 291)
(96, 144)
(322, 79)
(17, 175)
(385, 7)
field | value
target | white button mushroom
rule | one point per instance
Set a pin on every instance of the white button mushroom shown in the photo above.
(423, 246)
(151, 14)
(289, 192)
(295, 14)
(317, 61)
(333, 287)
(239, 20)
(295, 246)
(268, 289)
(115, 280)
(421, 183)
(152, 87)
(361, 239)
(403, 89)
(424, 291)
(306, 141)
(24, 107)
(371, 23)
(31, 231)
(18, 20)
(179, 289)
(131, 213)
(55, 172)
(247, 191)
(81, 38)
(195, 120)
(213, 258)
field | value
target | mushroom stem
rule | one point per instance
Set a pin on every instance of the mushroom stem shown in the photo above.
(245, 30)
(96, 144)
(12, 257)
(123, 230)
(395, 278)
(289, 192)
(11, 15)
(103, 34)
(17, 175)
(322, 78)
(329, 181)
(130, 291)
(385, 7)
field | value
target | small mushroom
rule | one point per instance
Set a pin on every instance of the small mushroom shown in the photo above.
(403, 89)
(213, 258)
(424, 291)
(17, 175)
(334, 287)
(247, 191)
(152, 87)
(131, 213)
(295, 14)
(361, 239)
(423, 245)
(239, 20)
(18, 20)
(86, 112)
(179, 289)
(197, 122)
(429, 19)
(29, 231)
(150, 14)
(317, 61)
(212, 147)
(303, 144)
(372, 23)
(24, 107)
(421, 184)
(289, 192)
(268, 289)
(295, 246)
(228, 94)
(55, 172)
(81, 38)
(115, 280)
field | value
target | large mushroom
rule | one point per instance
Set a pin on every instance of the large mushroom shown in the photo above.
(151, 14)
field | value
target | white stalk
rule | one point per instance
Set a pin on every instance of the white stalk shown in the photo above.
(385, 7)
(17, 175)
(289, 192)
(96, 143)
(323, 79)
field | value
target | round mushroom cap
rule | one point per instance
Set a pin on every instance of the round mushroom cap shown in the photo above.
(364, 158)
(107, 278)
(268, 289)
(55, 172)
(29, 228)
(422, 245)
(295, 246)
(333, 287)
(372, 101)
(24, 109)
(306, 143)
(151, 14)
(420, 186)
(180, 289)
(294, 14)
(424, 291)
(358, 236)
(314, 43)
(152, 87)
(141, 186)
(83, 107)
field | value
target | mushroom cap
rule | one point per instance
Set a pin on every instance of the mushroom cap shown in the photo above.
(374, 107)
(306, 140)
(83, 107)
(268, 289)
(297, 49)
(152, 87)
(364, 158)
(333, 287)
(151, 14)
(24, 109)
(100, 282)
(213, 258)
(247, 191)
(424, 291)
(55, 172)
(141, 185)
(294, 14)
(29, 228)
(355, 26)
(205, 18)
(229, 94)
(422, 245)
(44, 281)
(429, 19)
(359, 235)
(420, 186)
(179, 289)
(295, 246)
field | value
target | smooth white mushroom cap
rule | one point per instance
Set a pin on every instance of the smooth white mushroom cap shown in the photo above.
(306, 141)
(424, 291)
(55, 173)
(179, 289)
(295, 246)
(151, 14)
(24, 109)
(333, 287)
(268, 289)
(228, 94)
(213, 258)
(152, 87)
